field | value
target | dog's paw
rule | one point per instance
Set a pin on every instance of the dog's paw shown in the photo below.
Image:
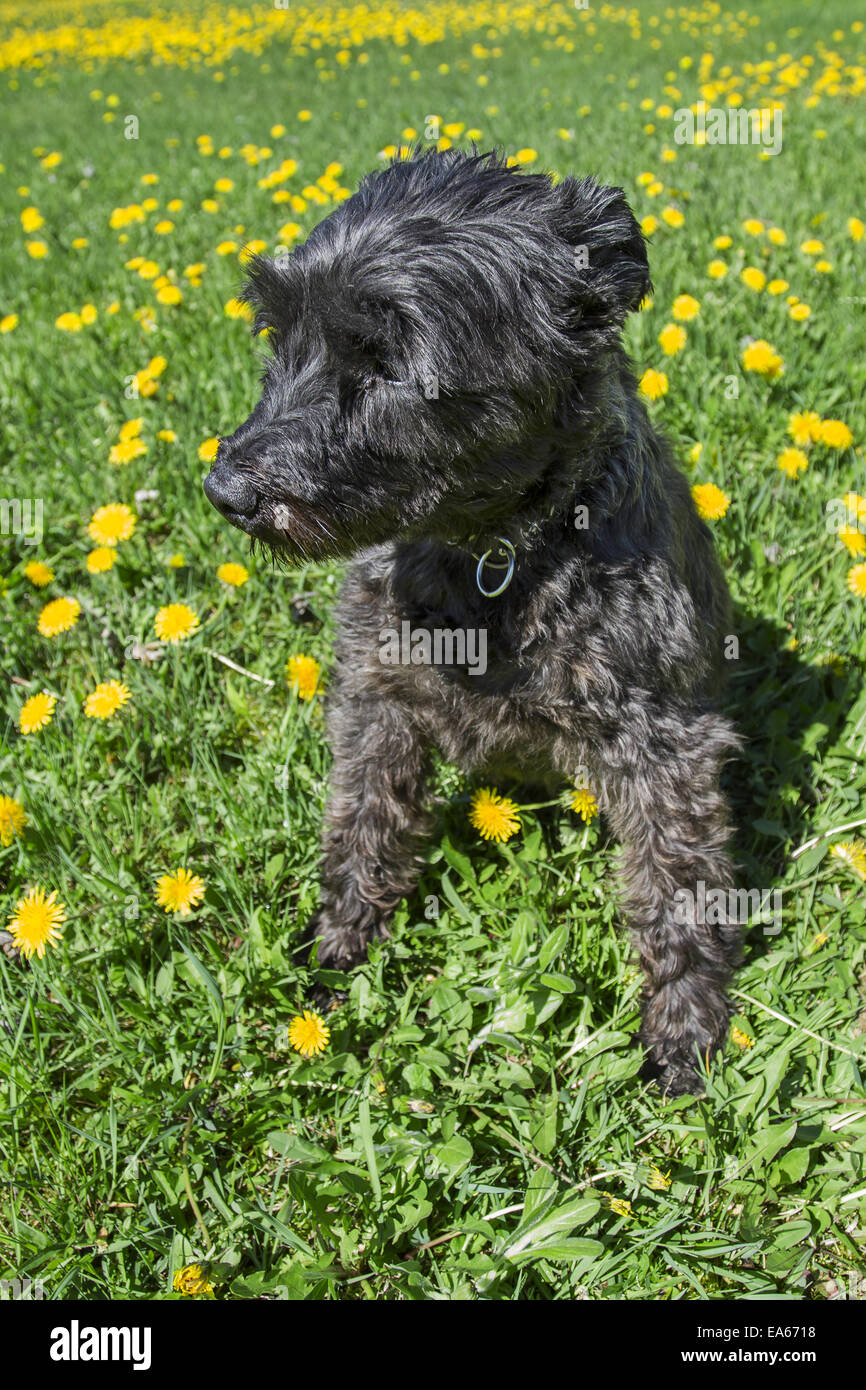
(682, 1081)
(674, 1076)
(325, 1000)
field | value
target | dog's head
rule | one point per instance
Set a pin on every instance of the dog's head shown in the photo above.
(421, 343)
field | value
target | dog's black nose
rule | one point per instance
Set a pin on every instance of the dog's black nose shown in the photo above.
(229, 491)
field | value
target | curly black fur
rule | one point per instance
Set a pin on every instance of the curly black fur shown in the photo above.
(447, 369)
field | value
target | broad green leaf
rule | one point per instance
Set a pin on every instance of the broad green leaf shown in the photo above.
(553, 945)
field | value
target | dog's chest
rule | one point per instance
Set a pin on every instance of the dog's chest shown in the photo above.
(452, 625)
(462, 644)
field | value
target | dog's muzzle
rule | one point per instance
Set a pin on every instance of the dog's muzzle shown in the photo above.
(229, 492)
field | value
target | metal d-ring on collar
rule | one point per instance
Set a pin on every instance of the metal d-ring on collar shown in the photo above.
(507, 549)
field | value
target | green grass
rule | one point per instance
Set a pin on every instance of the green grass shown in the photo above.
(479, 1103)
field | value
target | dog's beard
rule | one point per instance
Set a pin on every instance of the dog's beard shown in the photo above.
(294, 532)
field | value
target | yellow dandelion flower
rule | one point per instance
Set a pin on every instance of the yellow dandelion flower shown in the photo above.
(180, 892)
(799, 312)
(176, 562)
(89, 313)
(59, 616)
(36, 713)
(812, 247)
(8, 322)
(804, 427)
(526, 156)
(12, 820)
(237, 309)
(672, 339)
(851, 536)
(101, 559)
(856, 228)
(777, 236)
(127, 450)
(653, 384)
(37, 250)
(835, 434)
(856, 580)
(309, 1034)
(169, 294)
(192, 1281)
(38, 573)
(168, 436)
(673, 217)
(685, 308)
(36, 922)
(754, 278)
(760, 356)
(495, 817)
(31, 220)
(753, 226)
(777, 286)
(175, 622)
(112, 523)
(741, 1039)
(145, 384)
(131, 429)
(792, 462)
(208, 449)
(649, 224)
(233, 574)
(106, 699)
(722, 243)
(657, 1180)
(717, 270)
(695, 452)
(584, 804)
(68, 323)
(618, 1205)
(852, 854)
(710, 501)
(303, 674)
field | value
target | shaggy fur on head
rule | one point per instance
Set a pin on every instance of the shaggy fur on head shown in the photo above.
(446, 370)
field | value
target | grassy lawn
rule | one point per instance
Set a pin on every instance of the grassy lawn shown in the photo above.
(475, 1127)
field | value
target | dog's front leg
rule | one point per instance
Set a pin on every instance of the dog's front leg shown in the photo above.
(375, 824)
(663, 801)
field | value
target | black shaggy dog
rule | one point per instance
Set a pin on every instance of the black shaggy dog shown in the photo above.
(449, 402)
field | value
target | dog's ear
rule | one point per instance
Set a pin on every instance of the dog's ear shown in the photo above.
(271, 291)
(611, 271)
